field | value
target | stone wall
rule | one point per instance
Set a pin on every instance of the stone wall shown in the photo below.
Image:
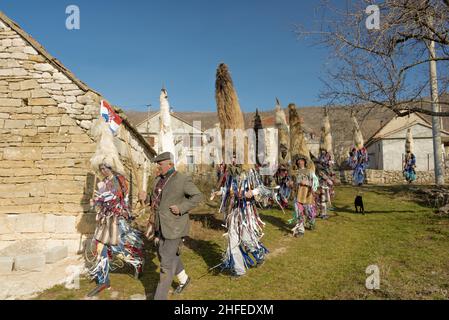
(388, 177)
(45, 147)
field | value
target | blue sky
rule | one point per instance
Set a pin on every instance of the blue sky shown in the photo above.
(127, 50)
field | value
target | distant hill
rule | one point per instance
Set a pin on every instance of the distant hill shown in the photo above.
(312, 116)
(370, 121)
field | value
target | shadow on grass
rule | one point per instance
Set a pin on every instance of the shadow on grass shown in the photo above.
(208, 220)
(150, 276)
(209, 251)
(277, 222)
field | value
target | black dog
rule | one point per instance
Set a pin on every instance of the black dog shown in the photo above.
(358, 203)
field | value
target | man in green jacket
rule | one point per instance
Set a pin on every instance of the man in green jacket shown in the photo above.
(172, 197)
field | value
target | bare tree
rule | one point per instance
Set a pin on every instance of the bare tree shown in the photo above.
(386, 67)
(393, 66)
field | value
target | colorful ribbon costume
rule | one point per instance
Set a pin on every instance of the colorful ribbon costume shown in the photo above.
(239, 192)
(326, 178)
(113, 235)
(304, 204)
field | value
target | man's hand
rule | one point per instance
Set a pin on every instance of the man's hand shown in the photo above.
(142, 196)
(175, 210)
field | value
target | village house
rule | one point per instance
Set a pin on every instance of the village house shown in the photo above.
(185, 134)
(45, 145)
(386, 148)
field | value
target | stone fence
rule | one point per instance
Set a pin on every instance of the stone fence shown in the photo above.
(206, 181)
(388, 177)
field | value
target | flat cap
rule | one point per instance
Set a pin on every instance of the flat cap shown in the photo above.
(164, 156)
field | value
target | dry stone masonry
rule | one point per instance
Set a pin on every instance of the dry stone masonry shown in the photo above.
(45, 146)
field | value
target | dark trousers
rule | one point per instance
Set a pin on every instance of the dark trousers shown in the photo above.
(171, 265)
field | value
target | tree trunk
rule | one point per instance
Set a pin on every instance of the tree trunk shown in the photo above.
(436, 129)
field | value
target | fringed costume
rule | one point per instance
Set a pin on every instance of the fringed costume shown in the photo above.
(239, 186)
(282, 175)
(239, 193)
(113, 237)
(306, 180)
(324, 170)
(283, 179)
(305, 212)
(326, 178)
(358, 156)
(113, 234)
(409, 159)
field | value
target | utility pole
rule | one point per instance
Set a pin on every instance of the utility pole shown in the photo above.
(436, 129)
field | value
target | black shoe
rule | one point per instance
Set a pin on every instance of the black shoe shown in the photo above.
(98, 289)
(181, 287)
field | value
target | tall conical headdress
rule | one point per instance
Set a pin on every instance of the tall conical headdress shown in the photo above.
(166, 140)
(326, 136)
(298, 143)
(409, 141)
(283, 133)
(358, 137)
(228, 107)
(106, 151)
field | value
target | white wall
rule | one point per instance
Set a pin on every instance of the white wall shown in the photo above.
(181, 130)
(393, 151)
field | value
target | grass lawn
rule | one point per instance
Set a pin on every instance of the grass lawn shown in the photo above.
(400, 235)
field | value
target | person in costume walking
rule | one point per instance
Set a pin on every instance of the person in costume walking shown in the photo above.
(306, 180)
(358, 156)
(239, 191)
(282, 175)
(239, 185)
(282, 178)
(173, 196)
(409, 159)
(113, 235)
(324, 170)
(304, 204)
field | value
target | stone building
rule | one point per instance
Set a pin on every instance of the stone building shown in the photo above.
(45, 146)
(386, 147)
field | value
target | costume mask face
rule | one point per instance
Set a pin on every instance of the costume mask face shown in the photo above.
(105, 171)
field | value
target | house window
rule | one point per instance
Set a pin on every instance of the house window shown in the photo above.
(195, 140)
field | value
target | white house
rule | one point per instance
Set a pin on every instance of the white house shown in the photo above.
(386, 148)
(184, 133)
